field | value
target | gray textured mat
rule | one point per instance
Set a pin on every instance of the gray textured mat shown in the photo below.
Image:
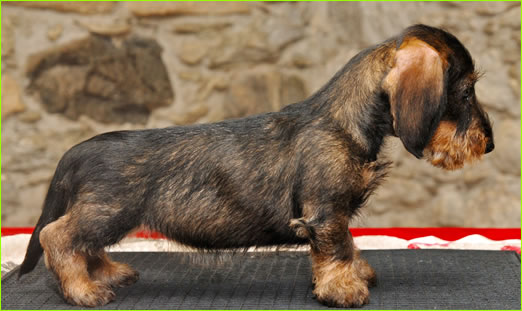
(408, 279)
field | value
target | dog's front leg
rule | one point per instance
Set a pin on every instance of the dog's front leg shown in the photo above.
(341, 278)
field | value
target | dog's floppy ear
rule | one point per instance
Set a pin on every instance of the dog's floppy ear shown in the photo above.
(416, 87)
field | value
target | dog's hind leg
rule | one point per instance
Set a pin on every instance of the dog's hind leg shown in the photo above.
(74, 249)
(115, 274)
(69, 265)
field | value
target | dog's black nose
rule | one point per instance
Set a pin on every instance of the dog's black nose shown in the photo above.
(490, 146)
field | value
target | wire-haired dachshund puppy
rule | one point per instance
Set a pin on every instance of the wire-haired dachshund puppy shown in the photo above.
(290, 177)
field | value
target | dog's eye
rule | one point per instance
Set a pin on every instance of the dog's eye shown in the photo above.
(467, 94)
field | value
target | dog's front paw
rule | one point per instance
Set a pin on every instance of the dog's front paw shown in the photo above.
(354, 295)
(339, 284)
(365, 271)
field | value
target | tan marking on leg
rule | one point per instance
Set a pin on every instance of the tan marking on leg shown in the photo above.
(70, 266)
(338, 283)
(102, 268)
(364, 269)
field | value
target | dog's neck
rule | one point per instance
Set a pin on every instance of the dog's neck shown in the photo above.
(353, 99)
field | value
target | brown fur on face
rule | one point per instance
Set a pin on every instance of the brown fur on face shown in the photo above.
(430, 82)
(450, 151)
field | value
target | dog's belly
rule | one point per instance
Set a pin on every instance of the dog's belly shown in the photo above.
(224, 238)
(224, 226)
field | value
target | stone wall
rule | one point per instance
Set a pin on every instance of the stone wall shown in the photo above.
(73, 70)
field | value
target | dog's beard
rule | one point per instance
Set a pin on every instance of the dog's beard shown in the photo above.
(450, 150)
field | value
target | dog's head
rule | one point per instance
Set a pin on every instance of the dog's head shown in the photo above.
(433, 104)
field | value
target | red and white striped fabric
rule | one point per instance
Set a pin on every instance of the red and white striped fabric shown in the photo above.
(15, 240)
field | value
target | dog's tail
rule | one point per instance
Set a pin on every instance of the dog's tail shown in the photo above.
(55, 205)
